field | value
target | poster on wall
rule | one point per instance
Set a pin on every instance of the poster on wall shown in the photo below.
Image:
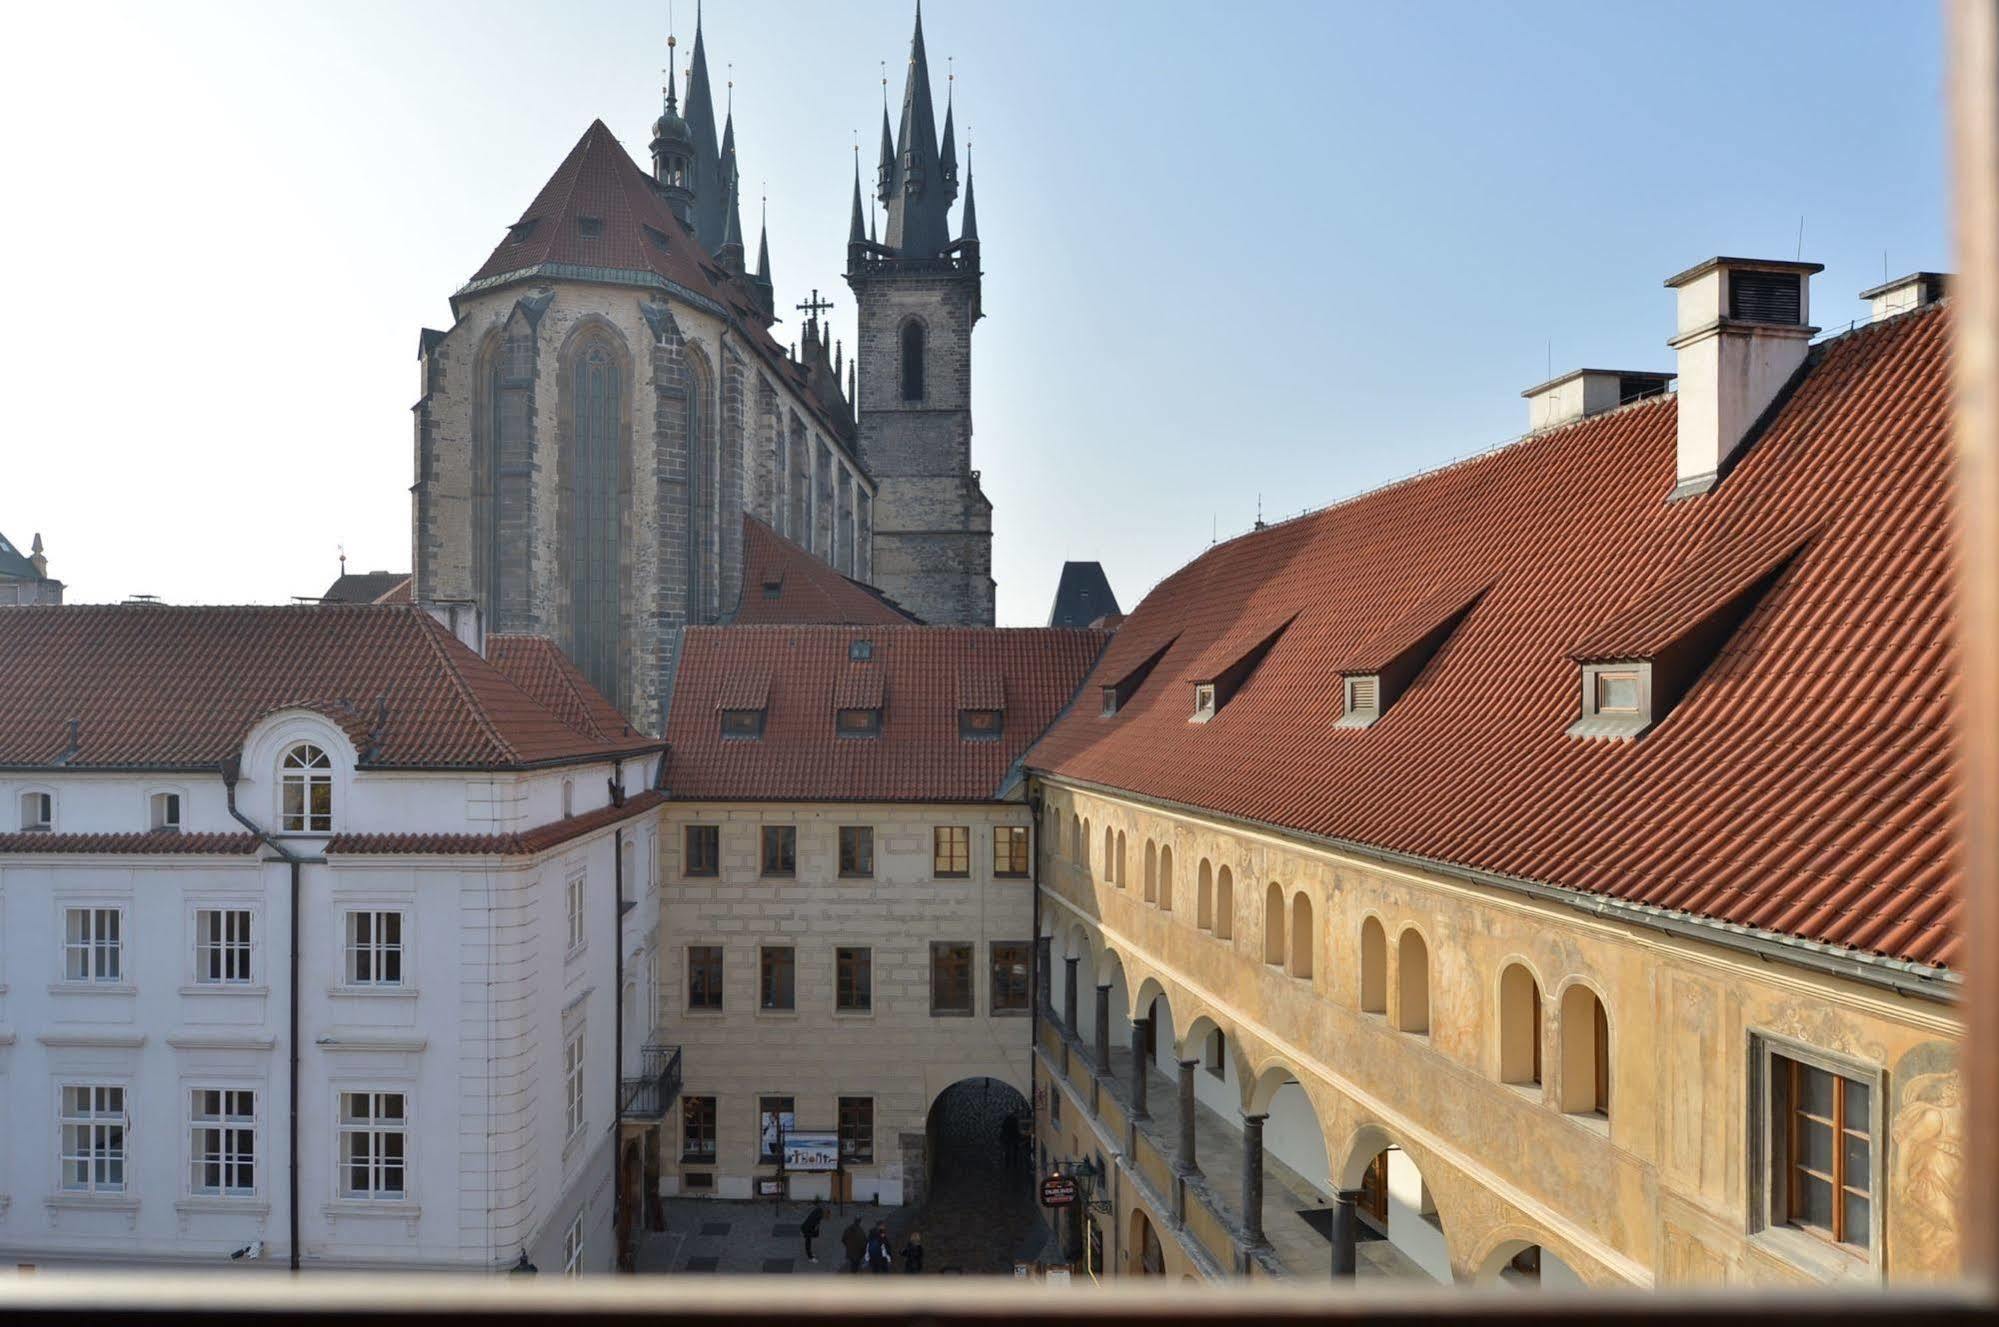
(772, 1127)
(811, 1151)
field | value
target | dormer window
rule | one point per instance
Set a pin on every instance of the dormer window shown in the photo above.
(38, 812)
(1119, 693)
(742, 725)
(1617, 691)
(306, 780)
(860, 651)
(980, 725)
(1616, 700)
(1378, 671)
(165, 812)
(1110, 700)
(519, 232)
(1362, 700)
(1204, 701)
(857, 723)
(590, 228)
(1227, 665)
(774, 589)
(656, 235)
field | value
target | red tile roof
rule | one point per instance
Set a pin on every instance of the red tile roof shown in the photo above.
(784, 585)
(538, 666)
(163, 842)
(169, 687)
(1803, 785)
(915, 672)
(525, 843)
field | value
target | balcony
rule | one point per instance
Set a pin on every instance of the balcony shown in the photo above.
(651, 1094)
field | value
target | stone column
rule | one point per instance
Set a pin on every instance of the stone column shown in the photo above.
(1187, 1162)
(1069, 1008)
(1346, 1232)
(1138, 1067)
(1103, 1029)
(1042, 977)
(1252, 1177)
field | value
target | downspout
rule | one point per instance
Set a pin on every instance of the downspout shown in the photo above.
(618, 1041)
(231, 770)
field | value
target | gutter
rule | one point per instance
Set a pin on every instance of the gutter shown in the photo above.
(231, 771)
(1916, 980)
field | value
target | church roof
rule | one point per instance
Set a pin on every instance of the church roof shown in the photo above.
(783, 584)
(1801, 786)
(14, 565)
(1082, 596)
(367, 587)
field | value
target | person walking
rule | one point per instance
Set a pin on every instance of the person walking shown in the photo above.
(809, 1228)
(880, 1259)
(912, 1253)
(855, 1241)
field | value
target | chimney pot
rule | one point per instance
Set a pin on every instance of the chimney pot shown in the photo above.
(1583, 392)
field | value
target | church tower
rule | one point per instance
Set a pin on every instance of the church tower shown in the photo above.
(917, 296)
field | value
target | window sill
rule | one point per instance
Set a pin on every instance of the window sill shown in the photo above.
(686, 1160)
(1596, 1124)
(400, 1208)
(705, 1013)
(855, 875)
(92, 1202)
(953, 1013)
(223, 988)
(1824, 1262)
(92, 988)
(218, 1205)
(1021, 1012)
(854, 1013)
(383, 992)
(779, 1015)
(577, 952)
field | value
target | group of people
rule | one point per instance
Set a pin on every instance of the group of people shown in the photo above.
(870, 1249)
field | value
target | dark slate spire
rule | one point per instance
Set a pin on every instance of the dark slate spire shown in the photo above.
(730, 255)
(948, 160)
(673, 151)
(711, 186)
(970, 233)
(885, 173)
(727, 163)
(763, 246)
(918, 209)
(856, 231)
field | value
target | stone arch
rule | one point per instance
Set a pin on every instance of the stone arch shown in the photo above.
(1274, 951)
(1520, 1022)
(595, 382)
(1502, 1262)
(1166, 877)
(1397, 1199)
(1204, 896)
(1585, 1050)
(1304, 936)
(1224, 904)
(1412, 982)
(1373, 966)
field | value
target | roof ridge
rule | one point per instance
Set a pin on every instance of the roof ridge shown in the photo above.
(434, 634)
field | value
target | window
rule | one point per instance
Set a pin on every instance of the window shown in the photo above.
(1822, 1133)
(704, 976)
(374, 949)
(742, 724)
(1273, 924)
(950, 977)
(912, 361)
(1204, 701)
(93, 947)
(951, 851)
(702, 850)
(165, 812)
(1617, 700)
(1109, 701)
(858, 723)
(1373, 967)
(373, 1159)
(1204, 896)
(1361, 703)
(1617, 692)
(775, 1121)
(1151, 871)
(572, 1085)
(857, 852)
(593, 512)
(1166, 879)
(1302, 936)
(222, 1142)
(1010, 850)
(590, 227)
(38, 812)
(1412, 960)
(1122, 878)
(777, 972)
(568, 798)
(857, 1130)
(307, 788)
(980, 725)
(574, 899)
(1055, 1108)
(93, 1138)
(1519, 1027)
(697, 1131)
(1011, 966)
(1224, 904)
(221, 946)
(780, 850)
(1585, 1032)
(853, 980)
(572, 1239)
(860, 651)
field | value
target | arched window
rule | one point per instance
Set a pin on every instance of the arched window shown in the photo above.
(1086, 851)
(307, 782)
(1585, 1053)
(1151, 872)
(1078, 846)
(1204, 896)
(912, 361)
(503, 447)
(1166, 879)
(568, 798)
(1122, 878)
(1273, 924)
(1519, 1027)
(1224, 904)
(1373, 968)
(1301, 935)
(1412, 984)
(591, 502)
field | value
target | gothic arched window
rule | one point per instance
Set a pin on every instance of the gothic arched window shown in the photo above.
(596, 428)
(912, 361)
(503, 455)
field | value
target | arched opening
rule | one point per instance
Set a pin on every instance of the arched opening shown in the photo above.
(1078, 993)
(1273, 924)
(1122, 879)
(978, 1144)
(912, 361)
(502, 449)
(1585, 1053)
(591, 506)
(1298, 1189)
(1204, 896)
(1400, 1224)
(1412, 983)
(1110, 856)
(1078, 849)
(1301, 935)
(1373, 967)
(1519, 1026)
(1224, 904)
(307, 789)
(1151, 872)
(1149, 1258)
(1526, 1266)
(1166, 878)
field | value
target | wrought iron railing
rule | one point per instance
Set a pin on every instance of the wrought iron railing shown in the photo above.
(651, 1094)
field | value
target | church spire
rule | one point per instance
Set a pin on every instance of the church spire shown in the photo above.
(949, 156)
(763, 245)
(918, 207)
(710, 184)
(970, 234)
(856, 232)
(673, 150)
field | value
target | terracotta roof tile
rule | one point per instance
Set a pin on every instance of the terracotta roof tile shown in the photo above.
(784, 585)
(538, 667)
(162, 842)
(526, 843)
(1803, 784)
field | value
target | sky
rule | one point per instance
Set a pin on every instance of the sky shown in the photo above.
(1237, 256)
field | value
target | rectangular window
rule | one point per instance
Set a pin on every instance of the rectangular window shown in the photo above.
(703, 850)
(1214, 1057)
(1011, 965)
(704, 976)
(697, 1131)
(951, 851)
(572, 1084)
(980, 725)
(1109, 701)
(573, 897)
(858, 723)
(780, 850)
(38, 811)
(777, 971)
(857, 852)
(774, 1122)
(221, 946)
(1010, 850)
(853, 980)
(93, 1139)
(1055, 1108)
(1823, 1180)
(374, 948)
(950, 977)
(373, 1138)
(857, 1129)
(1617, 693)
(742, 725)
(222, 1142)
(166, 811)
(1204, 700)
(93, 945)
(572, 1248)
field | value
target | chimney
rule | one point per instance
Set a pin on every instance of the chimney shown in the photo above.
(1905, 293)
(39, 560)
(1744, 330)
(461, 617)
(1582, 392)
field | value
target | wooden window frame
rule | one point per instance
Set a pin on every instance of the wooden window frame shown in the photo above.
(856, 1117)
(857, 852)
(706, 975)
(1772, 1135)
(952, 960)
(853, 979)
(777, 856)
(697, 1125)
(1020, 953)
(945, 863)
(1012, 863)
(706, 863)
(777, 979)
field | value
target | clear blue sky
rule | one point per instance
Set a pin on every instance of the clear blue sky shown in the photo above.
(1279, 249)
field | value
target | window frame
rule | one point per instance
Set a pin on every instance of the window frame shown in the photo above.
(348, 1128)
(1020, 854)
(691, 864)
(712, 980)
(700, 1130)
(1769, 1217)
(777, 975)
(789, 1107)
(982, 725)
(93, 946)
(741, 725)
(224, 946)
(962, 955)
(863, 856)
(575, 900)
(106, 1142)
(223, 1123)
(853, 979)
(45, 823)
(865, 728)
(351, 948)
(166, 809)
(777, 856)
(575, 1062)
(1626, 723)
(310, 777)
(572, 1246)
(861, 1112)
(1018, 1003)
(950, 870)
(1354, 687)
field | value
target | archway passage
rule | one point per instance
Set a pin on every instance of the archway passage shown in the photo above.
(1149, 1258)
(1527, 1267)
(978, 1211)
(1401, 1230)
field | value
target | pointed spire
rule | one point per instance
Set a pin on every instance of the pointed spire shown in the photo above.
(710, 184)
(918, 207)
(732, 234)
(885, 173)
(763, 244)
(948, 156)
(855, 234)
(970, 233)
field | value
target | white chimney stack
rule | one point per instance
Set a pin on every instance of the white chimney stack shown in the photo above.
(1582, 392)
(1905, 293)
(1744, 330)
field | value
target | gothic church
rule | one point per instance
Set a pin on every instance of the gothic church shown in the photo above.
(610, 400)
